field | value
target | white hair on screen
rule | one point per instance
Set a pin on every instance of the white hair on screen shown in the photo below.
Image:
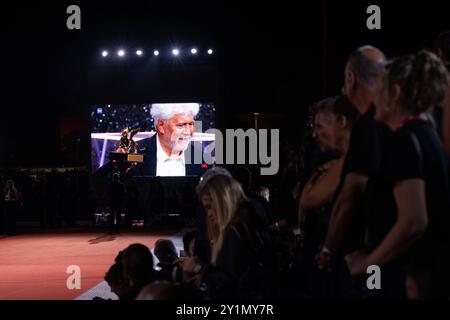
(165, 111)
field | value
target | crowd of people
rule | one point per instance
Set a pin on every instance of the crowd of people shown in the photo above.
(230, 253)
(378, 195)
(374, 190)
(45, 199)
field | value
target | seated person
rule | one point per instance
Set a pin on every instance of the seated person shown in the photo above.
(165, 290)
(242, 254)
(189, 243)
(263, 192)
(137, 268)
(167, 255)
(276, 223)
(115, 280)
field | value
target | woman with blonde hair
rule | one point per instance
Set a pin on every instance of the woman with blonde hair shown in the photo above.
(241, 252)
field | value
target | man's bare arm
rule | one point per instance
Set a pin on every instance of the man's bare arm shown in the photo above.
(412, 221)
(341, 217)
(317, 192)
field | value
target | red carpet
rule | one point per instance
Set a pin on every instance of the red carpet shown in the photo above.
(34, 266)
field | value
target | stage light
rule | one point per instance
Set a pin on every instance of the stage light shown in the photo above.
(156, 53)
(194, 51)
(210, 51)
(104, 53)
(121, 53)
(139, 52)
(175, 52)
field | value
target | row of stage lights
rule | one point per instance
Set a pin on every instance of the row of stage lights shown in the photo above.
(175, 52)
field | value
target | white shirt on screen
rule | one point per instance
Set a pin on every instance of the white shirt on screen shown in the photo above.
(168, 166)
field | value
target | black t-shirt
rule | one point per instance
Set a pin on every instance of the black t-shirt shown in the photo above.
(363, 154)
(406, 158)
(363, 157)
(365, 148)
(246, 247)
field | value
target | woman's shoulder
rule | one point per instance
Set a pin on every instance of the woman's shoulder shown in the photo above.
(404, 136)
(413, 134)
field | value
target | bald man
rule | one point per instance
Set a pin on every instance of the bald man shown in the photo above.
(363, 80)
(363, 77)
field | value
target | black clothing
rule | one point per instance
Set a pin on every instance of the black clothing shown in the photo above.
(202, 247)
(116, 196)
(166, 272)
(414, 151)
(133, 292)
(365, 148)
(245, 267)
(10, 216)
(11, 210)
(363, 157)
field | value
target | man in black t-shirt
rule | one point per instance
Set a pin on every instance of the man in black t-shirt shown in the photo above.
(364, 154)
(409, 213)
(363, 75)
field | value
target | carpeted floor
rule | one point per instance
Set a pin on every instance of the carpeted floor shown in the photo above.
(34, 266)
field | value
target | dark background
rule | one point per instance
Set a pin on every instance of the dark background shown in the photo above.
(276, 58)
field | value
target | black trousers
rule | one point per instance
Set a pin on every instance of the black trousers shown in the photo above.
(10, 213)
(2, 217)
(114, 219)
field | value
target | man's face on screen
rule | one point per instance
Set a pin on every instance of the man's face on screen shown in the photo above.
(177, 132)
